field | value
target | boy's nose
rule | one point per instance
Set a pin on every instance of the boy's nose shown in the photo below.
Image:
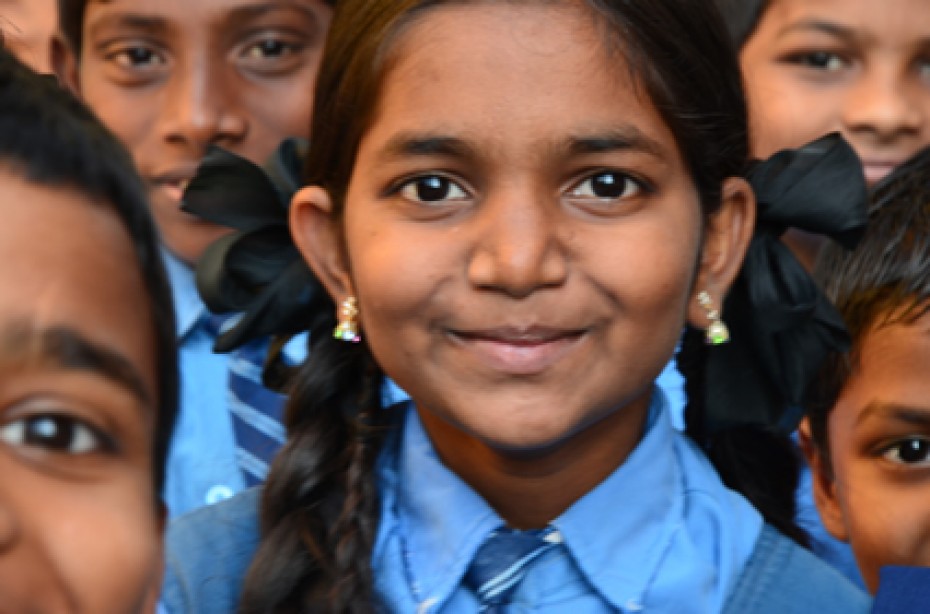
(202, 109)
(885, 106)
(519, 247)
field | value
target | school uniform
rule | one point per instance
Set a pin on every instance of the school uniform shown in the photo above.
(201, 466)
(660, 534)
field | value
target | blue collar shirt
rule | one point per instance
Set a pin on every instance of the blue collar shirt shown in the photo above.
(202, 466)
(660, 534)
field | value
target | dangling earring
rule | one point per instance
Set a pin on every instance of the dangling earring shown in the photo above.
(717, 333)
(347, 329)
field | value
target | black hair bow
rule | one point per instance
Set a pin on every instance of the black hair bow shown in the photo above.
(256, 271)
(782, 324)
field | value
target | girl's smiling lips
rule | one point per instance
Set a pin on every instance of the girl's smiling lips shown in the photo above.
(519, 351)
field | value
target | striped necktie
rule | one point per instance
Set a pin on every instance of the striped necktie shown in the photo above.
(502, 562)
(256, 411)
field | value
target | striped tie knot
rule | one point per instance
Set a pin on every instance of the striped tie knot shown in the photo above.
(502, 562)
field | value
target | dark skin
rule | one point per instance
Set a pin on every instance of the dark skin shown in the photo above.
(530, 488)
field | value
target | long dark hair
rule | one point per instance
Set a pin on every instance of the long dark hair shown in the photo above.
(319, 510)
(53, 140)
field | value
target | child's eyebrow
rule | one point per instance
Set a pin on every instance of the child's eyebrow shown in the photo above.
(626, 139)
(917, 416)
(23, 343)
(251, 12)
(150, 24)
(818, 25)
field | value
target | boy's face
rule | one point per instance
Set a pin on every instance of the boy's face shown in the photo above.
(879, 437)
(171, 77)
(859, 67)
(80, 527)
(28, 27)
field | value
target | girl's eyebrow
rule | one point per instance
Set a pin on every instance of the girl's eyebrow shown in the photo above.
(625, 139)
(629, 138)
(420, 144)
(23, 343)
(819, 25)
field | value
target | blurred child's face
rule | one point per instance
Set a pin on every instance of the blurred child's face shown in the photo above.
(879, 439)
(521, 231)
(80, 527)
(28, 27)
(859, 67)
(170, 77)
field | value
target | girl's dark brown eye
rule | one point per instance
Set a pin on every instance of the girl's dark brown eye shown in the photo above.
(608, 185)
(432, 189)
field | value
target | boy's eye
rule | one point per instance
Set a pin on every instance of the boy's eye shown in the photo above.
(821, 60)
(606, 186)
(269, 48)
(910, 451)
(53, 433)
(432, 189)
(135, 57)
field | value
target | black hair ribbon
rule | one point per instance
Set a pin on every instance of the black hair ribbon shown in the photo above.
(256, 270)
(781, 323)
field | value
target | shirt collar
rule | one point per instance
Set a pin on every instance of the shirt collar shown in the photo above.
(642, 503)
(188, 307)
(442, 521)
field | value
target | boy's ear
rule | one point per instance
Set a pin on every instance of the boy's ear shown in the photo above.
(318, 237)
(823, 484)
(726, 237)
(65, 64)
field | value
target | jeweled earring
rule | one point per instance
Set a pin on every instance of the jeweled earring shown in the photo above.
(717, 333)
(347, 329)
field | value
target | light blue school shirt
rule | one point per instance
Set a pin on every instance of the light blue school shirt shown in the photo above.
(661, 533)
(202, 466)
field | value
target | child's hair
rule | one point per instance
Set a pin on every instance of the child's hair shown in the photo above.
(742, 17)
(51, 139)
(884, 281)
(319, 510)
(71, 21)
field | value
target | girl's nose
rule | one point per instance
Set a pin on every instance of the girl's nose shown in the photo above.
(884, 105)
(520, 246)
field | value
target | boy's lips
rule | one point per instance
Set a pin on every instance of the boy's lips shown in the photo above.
(173, 183)
(519, 350)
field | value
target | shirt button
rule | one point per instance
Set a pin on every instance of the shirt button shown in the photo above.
(426, 606)
(218, 493)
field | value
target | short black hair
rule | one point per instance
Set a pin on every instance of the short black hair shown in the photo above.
(71, 21)
(884, 281)
(52, 140)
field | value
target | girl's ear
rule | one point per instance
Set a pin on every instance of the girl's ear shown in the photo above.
(726, 238)
(823, 483)
(317, 235)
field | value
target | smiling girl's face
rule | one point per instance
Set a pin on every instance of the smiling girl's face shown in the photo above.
(80, 526)
(858, 67)
(521, 232)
